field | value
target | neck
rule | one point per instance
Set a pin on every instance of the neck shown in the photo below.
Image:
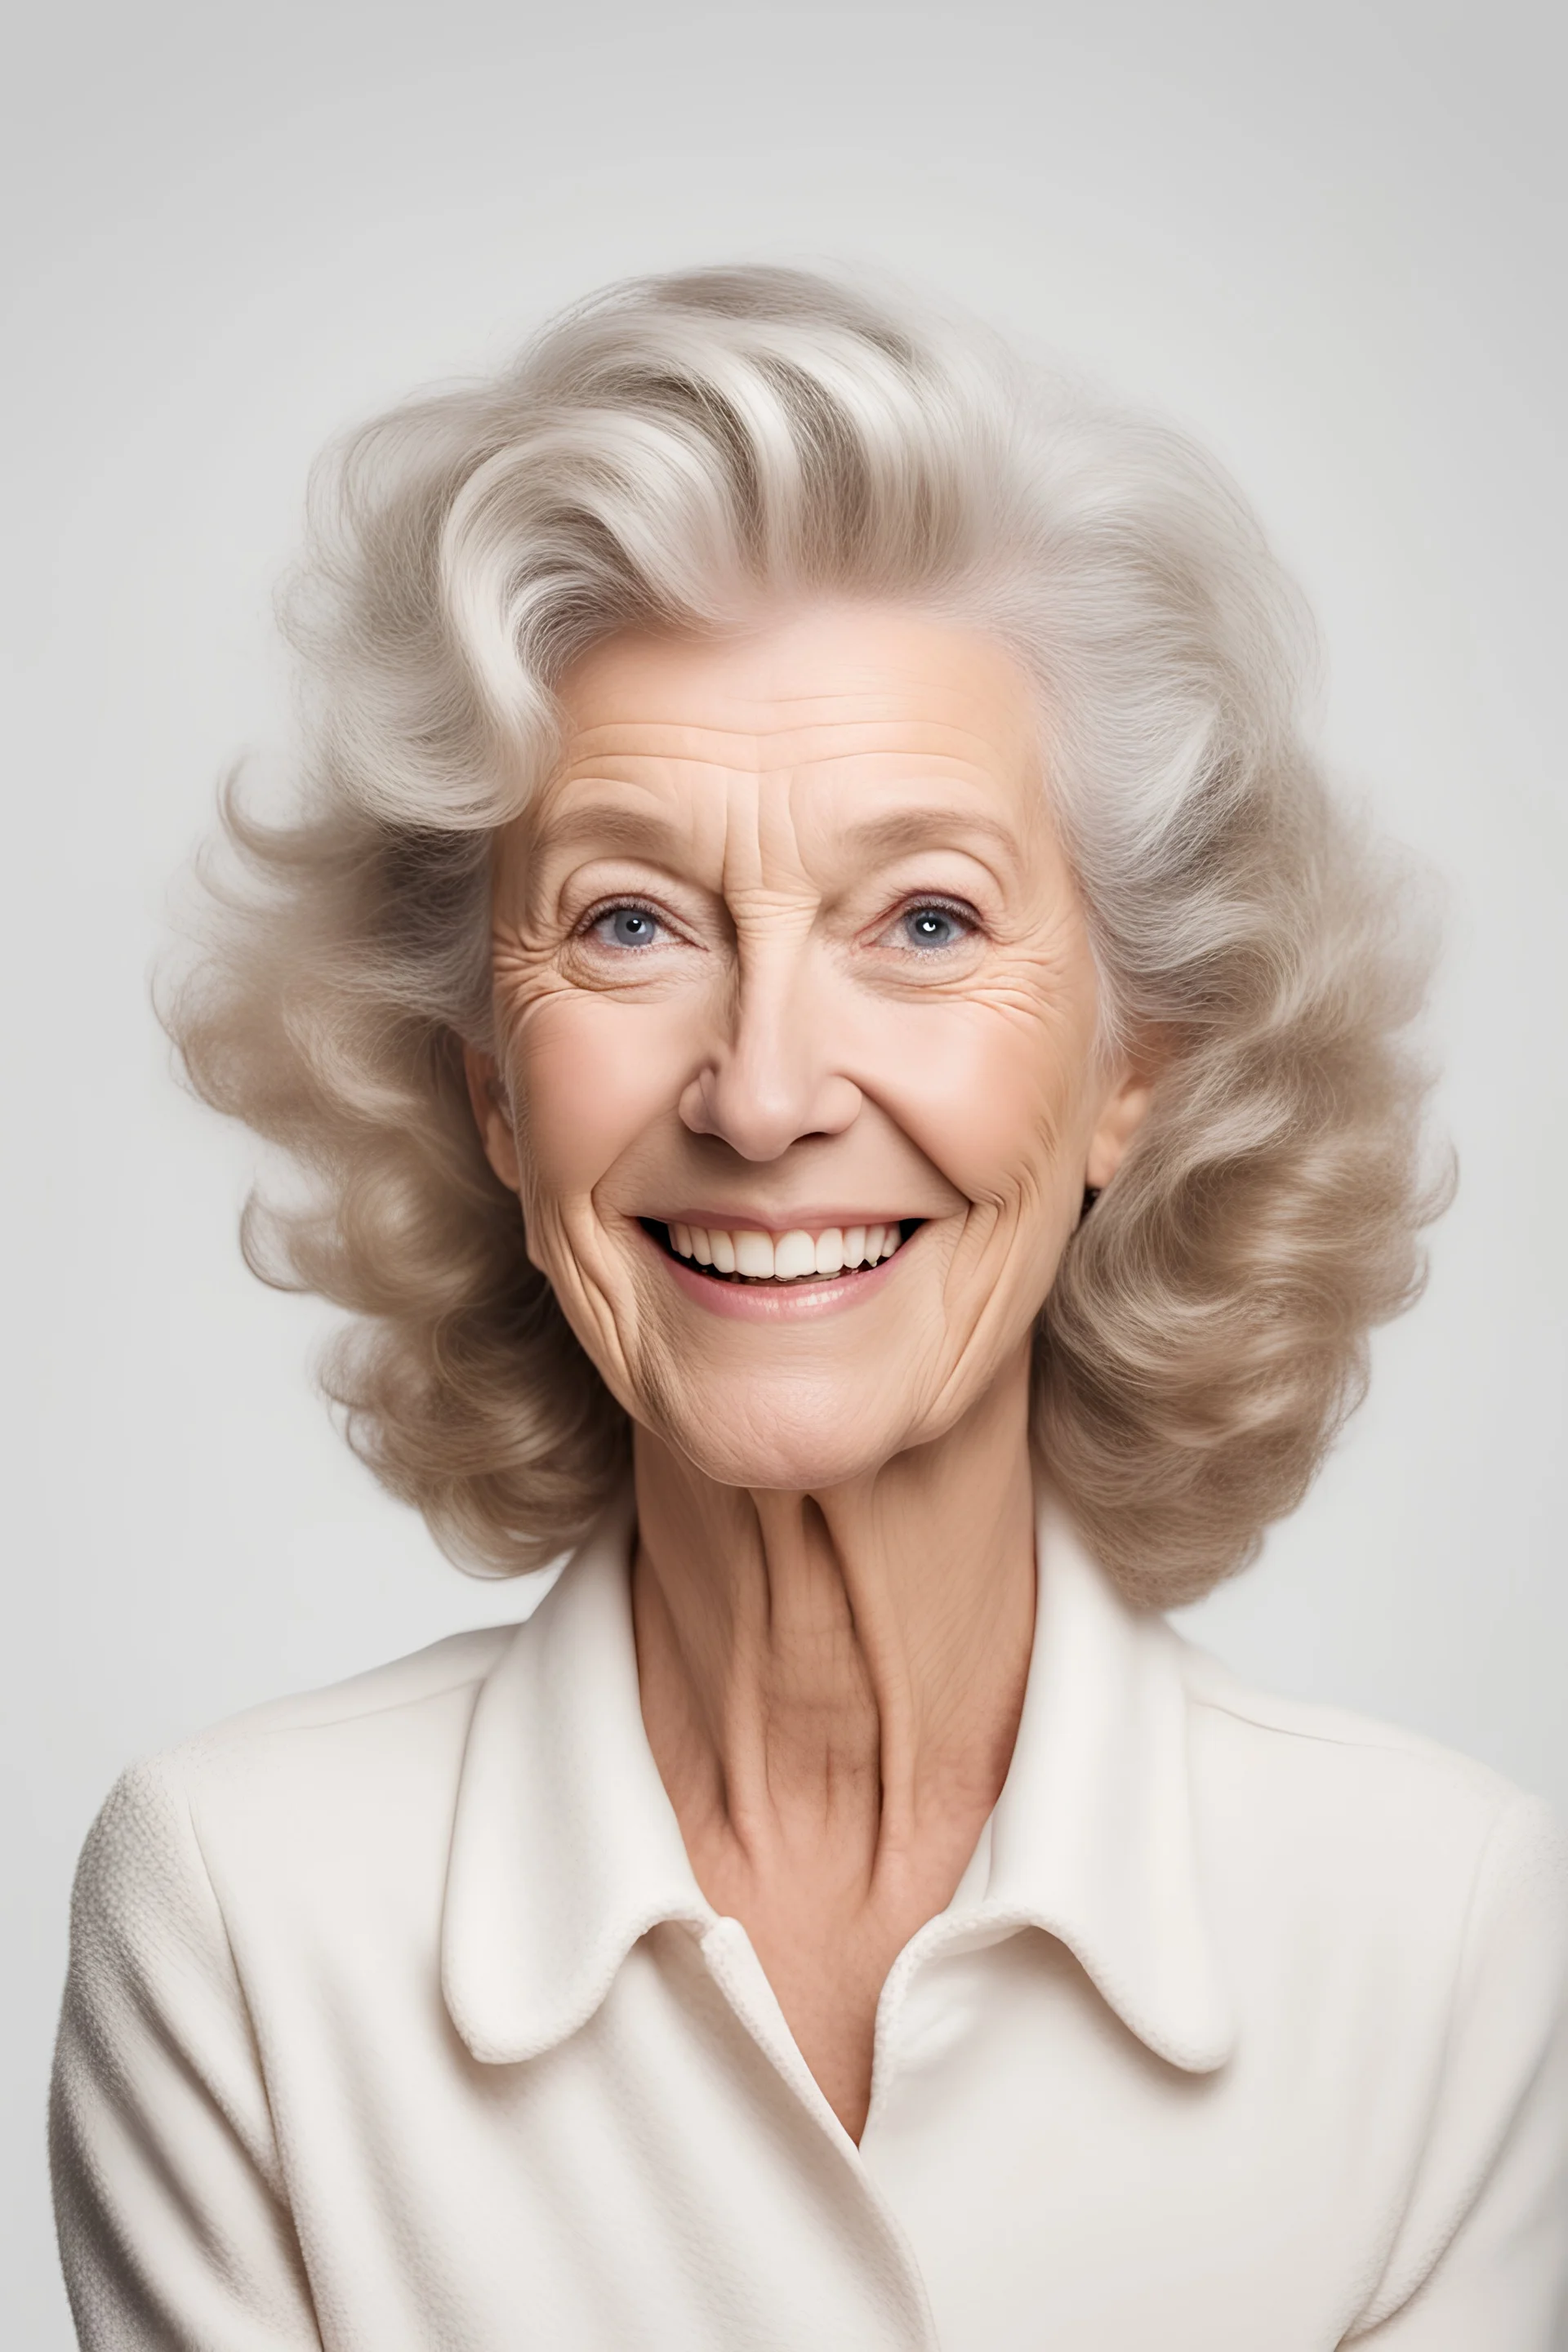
(832, 1681)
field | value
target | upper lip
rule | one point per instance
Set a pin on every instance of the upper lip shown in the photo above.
(778, 1222)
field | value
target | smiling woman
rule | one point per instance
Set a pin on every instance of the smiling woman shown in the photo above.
(787, 955)
(852, 1074)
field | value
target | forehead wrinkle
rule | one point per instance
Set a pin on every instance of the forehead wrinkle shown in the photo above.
(623, 745)
(761, 827)
(661, 790)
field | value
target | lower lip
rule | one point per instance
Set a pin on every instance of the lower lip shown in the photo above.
(748, 1302)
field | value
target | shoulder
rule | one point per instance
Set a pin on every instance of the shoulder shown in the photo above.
(1430, 1850)
(419, 1703)
(309, 1785)
(401, 1689)
(1337, 1747)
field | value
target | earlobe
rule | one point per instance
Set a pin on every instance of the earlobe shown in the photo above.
(1119, 1122)
(491, 1106)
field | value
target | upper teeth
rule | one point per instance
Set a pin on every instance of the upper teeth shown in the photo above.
(763, 1259)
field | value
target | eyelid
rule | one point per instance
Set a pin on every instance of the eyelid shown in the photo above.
(948, 902)
(613, 904)
(962, 909)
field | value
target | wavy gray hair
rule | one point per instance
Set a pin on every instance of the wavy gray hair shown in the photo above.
(679, 452)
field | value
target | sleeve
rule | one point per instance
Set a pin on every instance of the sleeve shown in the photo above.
(1481, 2255)
(174, 2229)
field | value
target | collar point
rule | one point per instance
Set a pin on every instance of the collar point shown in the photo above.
(1199, 2043)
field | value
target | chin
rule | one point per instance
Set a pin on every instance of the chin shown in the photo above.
(788, 1444)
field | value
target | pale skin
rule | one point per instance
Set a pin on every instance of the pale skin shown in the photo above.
(789, 946)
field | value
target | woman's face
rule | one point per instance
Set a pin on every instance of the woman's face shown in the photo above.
(797, 1015)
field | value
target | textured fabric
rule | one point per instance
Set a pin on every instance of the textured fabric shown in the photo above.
(397, 2023)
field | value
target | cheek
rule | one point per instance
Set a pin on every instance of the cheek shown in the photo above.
(998, 1101)
(590, 1075)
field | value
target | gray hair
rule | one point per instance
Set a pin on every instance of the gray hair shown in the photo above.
(685, 452)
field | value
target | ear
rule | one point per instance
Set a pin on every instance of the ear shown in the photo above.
(493, 1114)
(1121, 1115)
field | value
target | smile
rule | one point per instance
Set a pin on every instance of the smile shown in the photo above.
(744, 1256)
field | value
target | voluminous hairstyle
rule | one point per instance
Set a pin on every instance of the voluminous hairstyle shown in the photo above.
(685, 452)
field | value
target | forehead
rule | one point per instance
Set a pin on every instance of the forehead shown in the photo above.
(779, 693)
(827, 695)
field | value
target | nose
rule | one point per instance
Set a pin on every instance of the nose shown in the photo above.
(771, 1079)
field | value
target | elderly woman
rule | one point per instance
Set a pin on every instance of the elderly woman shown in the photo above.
(851, 1076)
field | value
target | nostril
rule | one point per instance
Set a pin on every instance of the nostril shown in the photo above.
(759, 1113)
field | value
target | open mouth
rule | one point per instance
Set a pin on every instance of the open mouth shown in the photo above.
(787, 1261)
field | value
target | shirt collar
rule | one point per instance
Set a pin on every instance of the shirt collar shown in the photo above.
(565, 1848)
(1092, 1838)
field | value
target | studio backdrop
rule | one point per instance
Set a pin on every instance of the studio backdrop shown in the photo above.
(1327, 240)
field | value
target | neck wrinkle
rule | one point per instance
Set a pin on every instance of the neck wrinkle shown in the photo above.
(835, 1672)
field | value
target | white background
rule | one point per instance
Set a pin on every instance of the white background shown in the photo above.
(1330, 239)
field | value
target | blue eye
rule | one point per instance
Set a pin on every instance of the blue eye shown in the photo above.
(933, 927)
(627, 927)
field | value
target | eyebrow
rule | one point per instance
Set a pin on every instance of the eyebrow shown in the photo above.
(602, 822)
(895, 831)
(915, 828)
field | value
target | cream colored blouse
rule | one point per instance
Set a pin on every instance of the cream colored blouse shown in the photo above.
(396, 2022)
